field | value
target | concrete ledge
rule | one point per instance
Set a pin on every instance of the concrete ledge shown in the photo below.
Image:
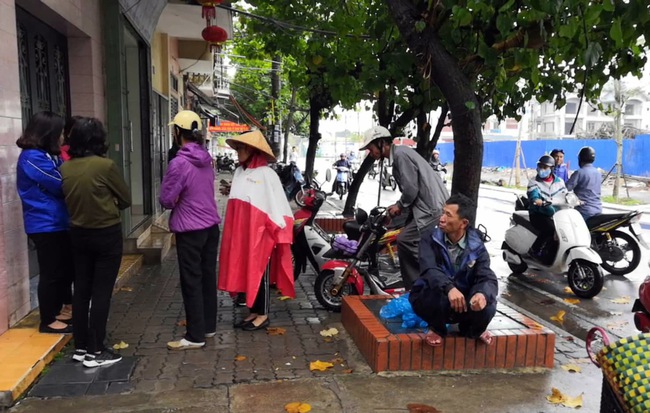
(24, 353)
(519, 342)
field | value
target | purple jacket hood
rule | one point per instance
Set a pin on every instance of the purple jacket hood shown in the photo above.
(188, 190)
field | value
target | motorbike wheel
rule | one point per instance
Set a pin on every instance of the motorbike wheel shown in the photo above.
(299, 198)
(585, 278)
(393, 183)
(323, 285)
(628, 245)
(518, 268)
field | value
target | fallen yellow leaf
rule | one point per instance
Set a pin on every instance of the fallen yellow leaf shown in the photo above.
(568, 290)
(584, 360)
(347, 371)
(297, 407)
(120, 346)
(621, 300)
(574, 402)
(572, 301)
(572, 368)
(320, 365)
(127, 289)
(182, 323)
(276, 331)
(329, 332)
(559, 317)
(284, 298)
(556, 396)
(240, 358)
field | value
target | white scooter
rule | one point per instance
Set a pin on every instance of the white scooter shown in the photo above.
(574, 255)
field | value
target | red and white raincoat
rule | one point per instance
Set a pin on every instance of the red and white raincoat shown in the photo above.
(258, 228)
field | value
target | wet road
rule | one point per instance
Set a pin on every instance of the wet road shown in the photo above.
(536, 292)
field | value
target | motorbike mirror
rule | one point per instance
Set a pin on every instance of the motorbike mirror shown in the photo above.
(572, 199)
(328, 175)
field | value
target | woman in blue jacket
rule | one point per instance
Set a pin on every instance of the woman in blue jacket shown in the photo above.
(45, 215)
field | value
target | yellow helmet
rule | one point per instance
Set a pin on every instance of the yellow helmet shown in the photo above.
(185, 120)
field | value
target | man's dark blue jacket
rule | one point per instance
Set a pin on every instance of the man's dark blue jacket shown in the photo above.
(473, 276)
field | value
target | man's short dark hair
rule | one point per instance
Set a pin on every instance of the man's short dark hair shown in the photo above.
(556, 151)
(466, 207)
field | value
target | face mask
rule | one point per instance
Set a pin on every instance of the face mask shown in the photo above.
(543, 173)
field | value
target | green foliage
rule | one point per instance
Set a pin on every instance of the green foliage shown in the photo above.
(513, 51)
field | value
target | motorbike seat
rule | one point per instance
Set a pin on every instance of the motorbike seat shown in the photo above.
(523, 218)
(598, 220)
(352, 229)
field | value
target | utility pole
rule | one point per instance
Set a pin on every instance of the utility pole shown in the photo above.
(276, 64)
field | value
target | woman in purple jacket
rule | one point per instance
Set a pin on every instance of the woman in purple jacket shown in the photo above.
(188, 190)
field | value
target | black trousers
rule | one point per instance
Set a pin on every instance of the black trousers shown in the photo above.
(262, 304)
(546, 227)
(97, 257)
(56, 266)
(432, 305)
(197, 262)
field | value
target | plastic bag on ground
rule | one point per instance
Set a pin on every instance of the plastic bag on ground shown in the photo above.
(401, 307)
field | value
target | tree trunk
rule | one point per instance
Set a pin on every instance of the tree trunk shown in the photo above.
(314, 136)
(289, 123)
(430, 145)
(423, 132)
(438, 65)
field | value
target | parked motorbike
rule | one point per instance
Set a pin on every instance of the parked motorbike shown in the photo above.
(570, 254)
(291, 179)
(619, 250)
(225, 163)
(345, 275)
(310, 183)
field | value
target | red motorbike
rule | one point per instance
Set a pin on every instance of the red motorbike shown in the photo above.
(343, 276)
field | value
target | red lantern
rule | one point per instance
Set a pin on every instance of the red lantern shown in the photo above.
(208, 11)
(214, 34)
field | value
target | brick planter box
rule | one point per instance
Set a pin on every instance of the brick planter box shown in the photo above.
(518, 342)
(332, 225)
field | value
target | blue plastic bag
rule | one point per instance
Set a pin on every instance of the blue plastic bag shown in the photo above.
(401, 307)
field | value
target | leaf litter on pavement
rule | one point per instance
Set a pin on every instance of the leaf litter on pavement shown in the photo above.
(559, 317)
(421, 408)
(557, 397)
(297, 407)
(120, 346)
(621, 300)
(572, 368)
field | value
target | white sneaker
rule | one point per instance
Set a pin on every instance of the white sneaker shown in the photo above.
(210, 334)
(79, 355)
(183, 344)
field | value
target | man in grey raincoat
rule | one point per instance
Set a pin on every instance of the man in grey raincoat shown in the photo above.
(423, 196)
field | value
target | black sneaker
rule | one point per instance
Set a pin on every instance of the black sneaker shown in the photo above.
(105, 358)
(80, 355)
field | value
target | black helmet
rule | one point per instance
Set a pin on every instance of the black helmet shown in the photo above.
(546, 160)
(586, 155)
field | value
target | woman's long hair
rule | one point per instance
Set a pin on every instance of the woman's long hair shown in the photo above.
(43, 132)
(87, 138)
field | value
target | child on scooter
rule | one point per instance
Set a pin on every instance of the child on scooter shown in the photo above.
(541, 192)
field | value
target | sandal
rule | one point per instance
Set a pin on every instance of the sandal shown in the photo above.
(486, 338)
(433, 339)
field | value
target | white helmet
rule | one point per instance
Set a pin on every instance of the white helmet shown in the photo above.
(373, 133)
(435, 151)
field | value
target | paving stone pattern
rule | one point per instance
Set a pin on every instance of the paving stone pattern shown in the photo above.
(148, 311)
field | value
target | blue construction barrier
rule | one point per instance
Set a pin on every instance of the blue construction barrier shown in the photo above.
(636, 153)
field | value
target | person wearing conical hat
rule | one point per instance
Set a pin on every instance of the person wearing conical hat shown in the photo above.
(188, 190)
(257, 234)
